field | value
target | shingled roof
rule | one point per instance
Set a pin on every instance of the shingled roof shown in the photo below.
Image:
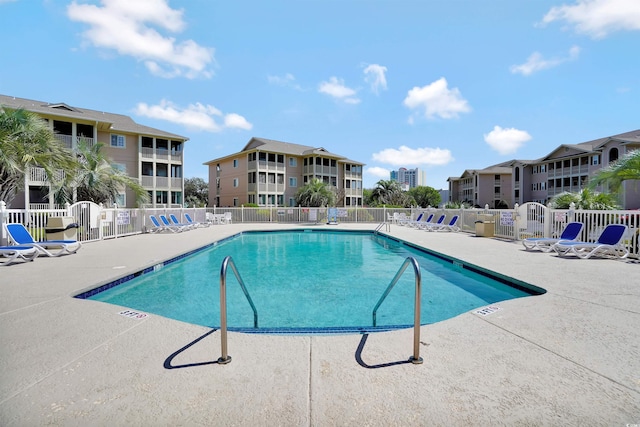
(105, 121)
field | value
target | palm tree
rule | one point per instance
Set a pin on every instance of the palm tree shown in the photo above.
(26, 141)
(586, 199)
(625, 168)
(388, 192)
(97, 180)
(315, 194)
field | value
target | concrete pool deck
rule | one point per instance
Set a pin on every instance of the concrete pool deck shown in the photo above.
(568, 357)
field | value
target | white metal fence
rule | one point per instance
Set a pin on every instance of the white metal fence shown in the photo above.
(95, 222)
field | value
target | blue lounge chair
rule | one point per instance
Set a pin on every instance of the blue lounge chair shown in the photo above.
(451, 226)
(570, 234)
(157, 227)
(428, 225)
(186, 225)
(194, 223)
(609, 244)
(14, 253)
(418, 224)
(414, 223)
(172, 227)
(19, 234)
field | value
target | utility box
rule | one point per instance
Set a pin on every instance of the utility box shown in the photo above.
(485, 225)
(61, 228)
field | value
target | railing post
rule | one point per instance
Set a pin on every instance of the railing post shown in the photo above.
(115, 222)
(3, 219)
(224, 358)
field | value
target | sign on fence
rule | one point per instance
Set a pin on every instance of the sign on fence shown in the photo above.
(506, 218)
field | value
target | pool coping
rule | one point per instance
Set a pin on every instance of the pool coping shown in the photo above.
(505, 280)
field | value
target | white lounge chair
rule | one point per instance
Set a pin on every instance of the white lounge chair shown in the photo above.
(19, 234)
(570, 234)
(609, 244)
(14, 253)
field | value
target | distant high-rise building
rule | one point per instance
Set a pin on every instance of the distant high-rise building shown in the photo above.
(409, 177)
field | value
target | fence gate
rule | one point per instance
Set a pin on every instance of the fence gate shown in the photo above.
(533, 221)
(88, 216)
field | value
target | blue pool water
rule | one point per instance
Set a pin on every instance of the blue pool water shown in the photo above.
(309, 280)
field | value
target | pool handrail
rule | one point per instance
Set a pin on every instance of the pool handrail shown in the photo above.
(228, 261)
(415, 359)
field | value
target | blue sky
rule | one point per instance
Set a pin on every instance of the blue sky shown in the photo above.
(439, 85)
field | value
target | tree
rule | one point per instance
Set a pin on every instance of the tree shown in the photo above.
(388, 192)
(316, 193)
(196, 192)
(26, 141)
(97, 180)
(425, 196)
(586, 199)
(625, 168)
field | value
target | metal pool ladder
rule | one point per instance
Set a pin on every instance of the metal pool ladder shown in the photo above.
(228, 261)
(415, 359)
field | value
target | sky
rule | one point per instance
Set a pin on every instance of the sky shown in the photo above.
(443, 86)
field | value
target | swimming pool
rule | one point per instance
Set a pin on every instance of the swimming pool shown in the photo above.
(310, 281)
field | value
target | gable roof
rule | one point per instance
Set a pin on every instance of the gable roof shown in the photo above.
(104, 121)
(271, 145)
(632, 137)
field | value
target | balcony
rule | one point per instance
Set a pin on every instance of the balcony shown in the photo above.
(161, 154)
(38, 176)
(158, 182)
(71, 142)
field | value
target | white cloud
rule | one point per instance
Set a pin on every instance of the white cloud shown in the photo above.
(405, 156)
(131, 28)
(506, 141)
(437, 100)
(195, 116)
(287, 80)
(335, 88)
(598, 18)
(374, 75)
(536, 62)
(378, 172)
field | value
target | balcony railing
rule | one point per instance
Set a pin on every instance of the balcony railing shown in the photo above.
(71, 142)
(38, 176)
(161, 154)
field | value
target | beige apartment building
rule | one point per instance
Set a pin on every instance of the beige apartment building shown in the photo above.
(566, 169)
(269, 173)
(151, 156)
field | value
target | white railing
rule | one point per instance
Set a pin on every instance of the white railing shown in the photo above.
(529, 220)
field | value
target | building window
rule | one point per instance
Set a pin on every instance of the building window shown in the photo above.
(235, 182)
(595, 160)
(176, 197)
(293, 182)
(235, 163)
(120, 167)
(121, 199)
(613, 155)
(118, 141)
(293, 162)
(235, 201)
(292, 201)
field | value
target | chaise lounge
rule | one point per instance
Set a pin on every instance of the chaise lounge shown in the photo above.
(609, 244)
(19, 234)
(570, 234)
(14, 253)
